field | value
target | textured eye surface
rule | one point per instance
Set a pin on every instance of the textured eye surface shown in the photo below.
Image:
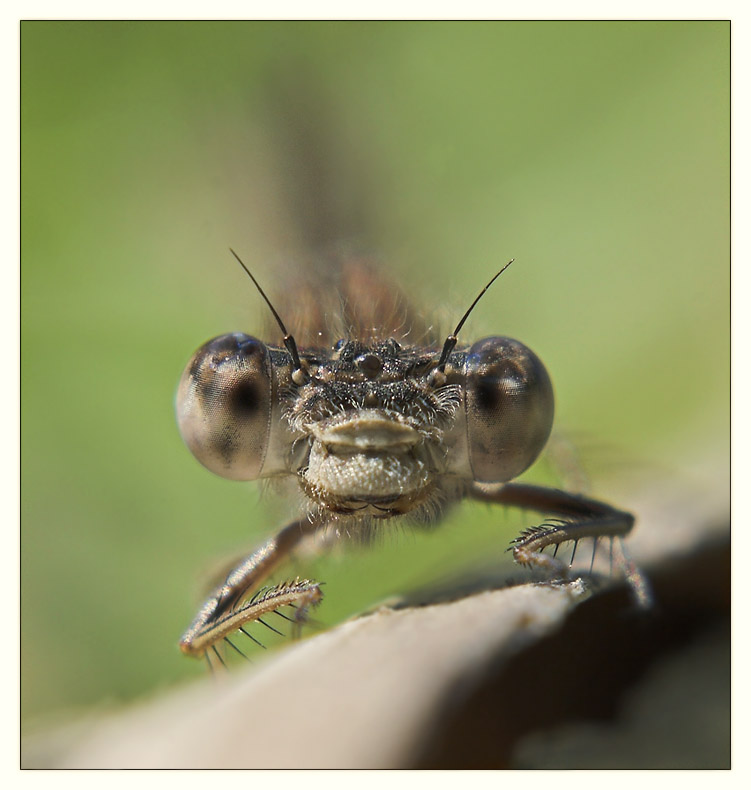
(509, 408)
(224, 404)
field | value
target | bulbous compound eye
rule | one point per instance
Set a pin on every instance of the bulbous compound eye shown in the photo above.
(509, 408)
(224, 404)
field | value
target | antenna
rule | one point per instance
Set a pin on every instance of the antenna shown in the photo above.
(289, 341)
(448, 346)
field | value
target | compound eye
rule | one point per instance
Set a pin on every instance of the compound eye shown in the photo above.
(509, 408)
(224, 403)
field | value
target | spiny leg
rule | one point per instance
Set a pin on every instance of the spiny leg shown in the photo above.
(587, 518)
(219, 656)
(271, 627)
(216, 617)
(235, 647)
(251, 637)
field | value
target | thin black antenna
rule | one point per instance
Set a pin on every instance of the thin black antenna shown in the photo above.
(289, 341)
(448, 346)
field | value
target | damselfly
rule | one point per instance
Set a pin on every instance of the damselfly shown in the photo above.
(372, 420)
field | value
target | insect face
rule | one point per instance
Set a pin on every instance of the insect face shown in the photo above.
(372, 431)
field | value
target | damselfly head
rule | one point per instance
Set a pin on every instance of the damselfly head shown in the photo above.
(369, 427)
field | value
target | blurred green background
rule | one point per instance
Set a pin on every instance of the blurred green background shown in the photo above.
(597, 154)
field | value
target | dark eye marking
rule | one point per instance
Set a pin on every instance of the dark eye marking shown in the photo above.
(251, 349)
(488, 392)
(211, 387)
(225, 443)
(244, 399)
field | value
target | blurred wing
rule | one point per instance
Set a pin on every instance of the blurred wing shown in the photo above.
(329, 285)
